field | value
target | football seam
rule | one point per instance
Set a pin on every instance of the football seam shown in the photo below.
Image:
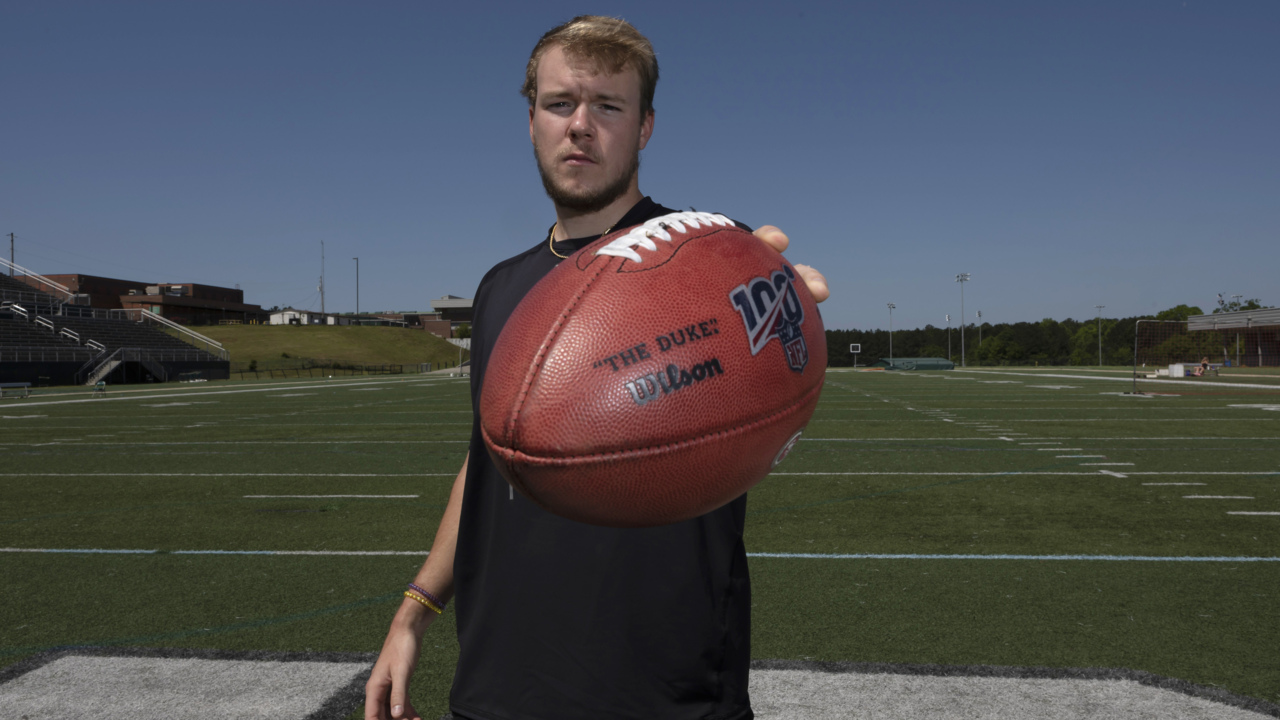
(652, 449)
(514, 417)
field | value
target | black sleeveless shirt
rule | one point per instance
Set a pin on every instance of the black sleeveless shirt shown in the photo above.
(559, 620)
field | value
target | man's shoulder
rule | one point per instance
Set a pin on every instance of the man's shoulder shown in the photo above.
(506, 267)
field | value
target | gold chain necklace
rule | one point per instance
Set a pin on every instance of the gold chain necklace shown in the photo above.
(551, 239)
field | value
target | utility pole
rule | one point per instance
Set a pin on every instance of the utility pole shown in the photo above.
(10, 254)
(948, 338)
(962, 278)
(322, 279)
(357, 284)
(891, 307)
(1099, 333)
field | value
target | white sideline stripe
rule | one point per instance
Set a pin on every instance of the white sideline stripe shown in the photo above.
(318, 475)
(1246, 512)
(994, 473)
(1218, 497)
(257, 442)
(1113, 473)
(1088, 464)
(1125, 378)
(801, 556)
(1040, 443)
(1082, 456)
(203, 393)
(99, 551)
(891, 556)
(330, 496)
(1174, 483)
(1053, 449)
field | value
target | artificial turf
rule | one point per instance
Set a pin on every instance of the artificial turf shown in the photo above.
(948, 463)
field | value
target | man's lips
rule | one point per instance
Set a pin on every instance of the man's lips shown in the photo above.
(579, 159)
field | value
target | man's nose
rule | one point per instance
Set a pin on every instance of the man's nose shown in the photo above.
(580, 124)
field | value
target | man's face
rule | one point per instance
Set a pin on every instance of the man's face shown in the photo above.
(587, 132)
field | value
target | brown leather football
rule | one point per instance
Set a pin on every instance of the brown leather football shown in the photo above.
(655, 375)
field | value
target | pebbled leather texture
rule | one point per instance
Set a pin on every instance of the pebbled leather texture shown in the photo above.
(627, 394)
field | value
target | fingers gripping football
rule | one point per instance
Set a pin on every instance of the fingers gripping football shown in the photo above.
(814, 280)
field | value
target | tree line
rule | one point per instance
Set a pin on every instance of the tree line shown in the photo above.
(1048, 342)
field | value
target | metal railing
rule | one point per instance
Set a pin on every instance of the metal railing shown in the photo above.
(149, 358)
(45, 354)
(45, 322)
(210, 345)
(59, 291)
(70, 334)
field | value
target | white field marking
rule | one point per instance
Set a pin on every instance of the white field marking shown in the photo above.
(1273, 408)
(1125, 378)
(1086, 464)
(888, 556)
(1006, 439)
(1038, 442)
(1148, 396)
(21, 417)
(203, 393)
(1055, 449)
(259, 497)
(1141, 420)
(995, 473)
(318, 475)
(1000, 382)
(804, 556)
(1248, 512)
(1056, 387)
(365, 389)
(1163, 484)
(1218, 497)
(1081, 456)
(269, 442)
(101, 551)
(946, 420)
(1112, 473)
(296, 395)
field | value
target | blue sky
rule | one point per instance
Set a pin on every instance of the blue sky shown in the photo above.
(1067, 154)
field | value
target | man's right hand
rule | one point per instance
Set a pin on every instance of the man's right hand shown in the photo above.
(386, 695)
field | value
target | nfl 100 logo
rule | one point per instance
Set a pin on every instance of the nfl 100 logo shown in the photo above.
(770, 308)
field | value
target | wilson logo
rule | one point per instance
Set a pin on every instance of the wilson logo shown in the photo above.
(771, 308)
(648, 388)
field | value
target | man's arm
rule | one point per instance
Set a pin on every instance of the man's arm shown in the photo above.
(387, 692)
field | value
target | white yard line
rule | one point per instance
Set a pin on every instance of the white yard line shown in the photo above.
(1218, 497)
(257, 497)
(778, 555)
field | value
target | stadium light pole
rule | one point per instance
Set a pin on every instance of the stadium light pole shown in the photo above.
(1099, 307)
(979, 337)
(962, 278)
(357, 284)
(948, 338)
(1234, 298)
(891, 307)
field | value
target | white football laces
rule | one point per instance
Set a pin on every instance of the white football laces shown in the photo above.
(659, 228)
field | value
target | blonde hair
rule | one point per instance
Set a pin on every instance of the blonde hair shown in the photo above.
(608, 44)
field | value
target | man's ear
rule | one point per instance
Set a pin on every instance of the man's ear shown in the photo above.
(646, 129)
(531, 123)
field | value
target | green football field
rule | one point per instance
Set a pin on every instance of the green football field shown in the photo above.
(1009, 518)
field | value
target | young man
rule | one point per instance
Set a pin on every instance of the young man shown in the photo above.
(557, 619)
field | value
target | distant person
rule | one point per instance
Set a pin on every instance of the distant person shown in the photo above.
(1204, 367)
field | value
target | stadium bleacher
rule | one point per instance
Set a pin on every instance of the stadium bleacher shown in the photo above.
(34, 346)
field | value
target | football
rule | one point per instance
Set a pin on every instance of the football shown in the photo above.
(655, 375)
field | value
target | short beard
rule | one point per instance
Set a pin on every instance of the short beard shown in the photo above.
(589, 201)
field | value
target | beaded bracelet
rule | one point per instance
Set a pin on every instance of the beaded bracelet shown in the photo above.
(430, 605)
(426, 594)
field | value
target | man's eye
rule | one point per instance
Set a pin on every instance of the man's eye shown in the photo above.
(610, 108)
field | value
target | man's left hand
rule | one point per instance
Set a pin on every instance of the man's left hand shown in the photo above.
(776, 239)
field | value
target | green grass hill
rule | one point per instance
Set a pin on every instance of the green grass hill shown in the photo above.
(291, 346)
